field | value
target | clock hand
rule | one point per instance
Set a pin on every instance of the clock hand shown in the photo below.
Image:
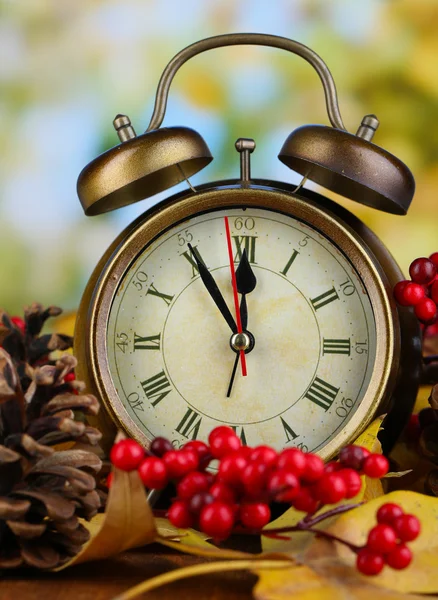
(213, 290)
(246, 282)
(236, 299)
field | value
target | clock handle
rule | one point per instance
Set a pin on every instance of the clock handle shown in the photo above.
(244, 39)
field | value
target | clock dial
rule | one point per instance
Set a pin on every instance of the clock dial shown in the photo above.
(169, 350)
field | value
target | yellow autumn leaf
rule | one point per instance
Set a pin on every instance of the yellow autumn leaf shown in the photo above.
(127, 523)
(323, 579)
(203, 569)
(191, 541)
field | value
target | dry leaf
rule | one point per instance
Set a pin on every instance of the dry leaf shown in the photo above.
(128, 521)
(203, 569)
(325, 580)
(193, 542)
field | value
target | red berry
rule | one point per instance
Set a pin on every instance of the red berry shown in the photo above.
(201, 449)
(398, 292)
(255, 515)
(254, 478)
(407, 527)
(422, 270)
(222, 492)
(332, 467)
(153, 473)
(368, 562)
(231, 468)
(426, 310)
(264, 455)
(375, 466)
(69, 377)
(314, 469)
(352, 481)
(292, 459)
(244, 451)
(413, 429)
(126, 455)
(217, 520)
(399, 558)
(109, 480)
(382, 538)
(388, 512)
(180, 516)
(221, 430)
(413, 293)
(330, 489)
(19, 323)
(283, 485)
(191, 484)
(434, 258)
(198, 501)
(224, 443)
(353, 457)
(434, 291)
(160, 446)
(180, 462)
(304, 501)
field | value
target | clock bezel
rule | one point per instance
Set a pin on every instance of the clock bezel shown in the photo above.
(98, 298)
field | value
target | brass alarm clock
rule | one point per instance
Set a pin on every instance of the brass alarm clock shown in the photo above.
(248, 302)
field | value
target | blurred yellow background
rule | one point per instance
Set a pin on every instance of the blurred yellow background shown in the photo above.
(67, 67)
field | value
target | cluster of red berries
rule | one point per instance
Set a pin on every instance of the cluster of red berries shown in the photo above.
(422, 291)
(247, 479)
(386, 541)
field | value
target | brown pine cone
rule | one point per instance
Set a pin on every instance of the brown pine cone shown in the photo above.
(43, 492)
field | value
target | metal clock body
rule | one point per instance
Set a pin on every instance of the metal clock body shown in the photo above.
(325, 346)
(327, 336)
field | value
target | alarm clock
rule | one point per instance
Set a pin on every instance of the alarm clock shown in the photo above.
(246, 302)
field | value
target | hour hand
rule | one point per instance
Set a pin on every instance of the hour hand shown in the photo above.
(213, 290)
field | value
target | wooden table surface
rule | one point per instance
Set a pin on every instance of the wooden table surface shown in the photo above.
(104, 580)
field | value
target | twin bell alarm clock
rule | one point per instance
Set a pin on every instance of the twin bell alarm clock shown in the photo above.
(247, 302)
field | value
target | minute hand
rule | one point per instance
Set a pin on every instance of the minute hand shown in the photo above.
(213, 290)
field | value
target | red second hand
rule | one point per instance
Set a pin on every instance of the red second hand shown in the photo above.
(236, 298)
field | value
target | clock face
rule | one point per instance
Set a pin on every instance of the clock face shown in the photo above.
(168, 346)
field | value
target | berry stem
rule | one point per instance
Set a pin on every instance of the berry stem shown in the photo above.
(330, 513)
(318, 532)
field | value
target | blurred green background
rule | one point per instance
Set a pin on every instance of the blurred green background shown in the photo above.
(67, 67)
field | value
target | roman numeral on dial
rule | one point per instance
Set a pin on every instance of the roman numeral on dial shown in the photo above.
(188, 256)
(336, 346)
(322, 393)
(289, 262)
(289, 432)
(154, 292)
(190, 424)
(324, 299)
(247, 242)
(151, 342)
(156, 387)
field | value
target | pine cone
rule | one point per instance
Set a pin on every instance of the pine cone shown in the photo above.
(43, 492)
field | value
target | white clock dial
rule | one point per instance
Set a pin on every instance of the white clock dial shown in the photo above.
(315, 337)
